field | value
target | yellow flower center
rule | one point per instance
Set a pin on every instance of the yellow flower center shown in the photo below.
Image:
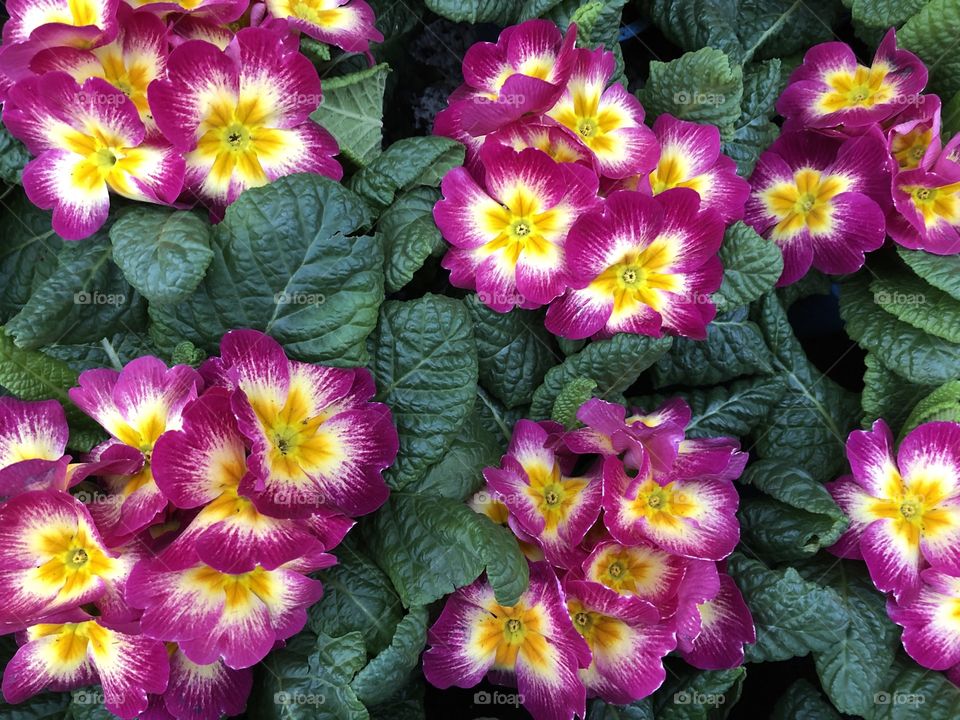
(553, 494)
(639, 277)
(865, 88)
(521, 227)
(240, 590)
(804, 203)
(936, 204)
(318, 12)
(72, 561)
(587, 127)
(508, 632)
(909, 148)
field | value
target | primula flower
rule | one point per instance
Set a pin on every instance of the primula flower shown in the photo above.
(821, 200)
(548, 505)
(33, 438)
(556, 141)
(902, 511)
(726, 625)
(508, 237)
(69, 653)
(136, 406)
(87, 140)
(831, 88)
(686, 515)
(242, 115)
(135, 58)
(222, 11)
(929, 620)
(204, 692)
(608, 120)
(927, 208)
(642, 575)
(690, 157)
(316, 437)
(532, 643)
(524, 73)
(201, 466)
(641, 265)
(489, 503)
(212, 615)
(627, 645)
(53, 557)
(78, 23)
(348, 24)
(914, 141)
(197, 27)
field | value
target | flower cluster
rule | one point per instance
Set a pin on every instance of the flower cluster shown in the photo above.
(182, 565)
(904, 512)
(625, 524)
(860, 157)
(166, 102)
(568, 199)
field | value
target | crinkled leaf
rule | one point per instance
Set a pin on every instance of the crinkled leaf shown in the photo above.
(792, 616)
(598, 22)
(514, 351)
(28, 252)
(425, 363)
(887, 395)
(459, 473)
(352, 110)
(163, 253)
(950, 117)
(753, 131)
(932, 34)
(910, 299)
(45, 706)
(409, 235)
(499, 12)
(430, 546)
(287, 261)
(614, 364)
(943, 404)
(574, 394)
(911, 692)
(735, 410)
(689, 694)
(885, 13)
(495, 417)
(751, 267)
(941, 271)
(13, 156)
(404, 165)
(802, 701)
(407, 704)
(83, 356)
(640, 710)
(392, 667)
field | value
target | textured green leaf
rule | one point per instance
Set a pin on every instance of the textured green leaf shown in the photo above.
(409, 235)
(753, 131)
(941, 271)
(13, 156)
(908, 298)
(614, 364)
(950, 117)
(911, 692)
(751, 267)
(514, 351)
(598, 22)
(357, 596)
(574, 394)
(407, 704)
(46, 706)
(792, 616)
(459, 473)
(404, 165)
(802, 701)
(703, 86)
(887, 395)
(734, 347)
(808, 426)
(28, 252)
(640, 710)
(352, 110)
(793, 519)
(885, 13)
(83, 356)
(499, 12)
(735, 410)
(287, 261)
(430, 546)
(163, 253)
(84, 299)
(689, 694)
(495, 417)
(425, 364)
(853, 668)
(918, 356)
(943, 404)
(390, 669)
(932, 34)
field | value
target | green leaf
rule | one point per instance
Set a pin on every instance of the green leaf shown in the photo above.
(793, 519)
(853, 667)
(734, 346)
(404, 165)
(352, 110)
(125, 346)
(186, 353)
(495, 417)
(885, 13)
(808, 426)
(751, 267)
(932, 34)
(391, 668)
(459, 473)
(702, 86)
(407, 704)
(13, 156)
(87, 704)
(689, 694)
(614, 364)
(46, 706)
(425, 363)
(163, 253)
(941, 271)
(753, 131)
(910, 299)
(409, 234)
(887, 395)
(813, 283)
(28, 252)
(801, 701)
(287, 261)
(514, 351)
(918, 356)
(84, 299)
(598, 23)
(943, 404)
(792, 616)
(574, 394)
(735, 410)
(357, 596)
(331, 668)
(499, 12)
(950, 122)
(640, 710)
(430, 546)
(911, 692)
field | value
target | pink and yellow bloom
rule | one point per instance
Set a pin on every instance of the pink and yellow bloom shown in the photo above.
(532, 643)
(78, 23)
(87, 140)
(822, 200)
(832, 89)
(204, 692)
(640, 574)
(509, 236)
(904, 510)
(348, 24)
(931, 620)
(643, 265)
(221, 11)
(725, 626)
(914, 139)
(33, 438)
(241, 116)
(927, 209)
